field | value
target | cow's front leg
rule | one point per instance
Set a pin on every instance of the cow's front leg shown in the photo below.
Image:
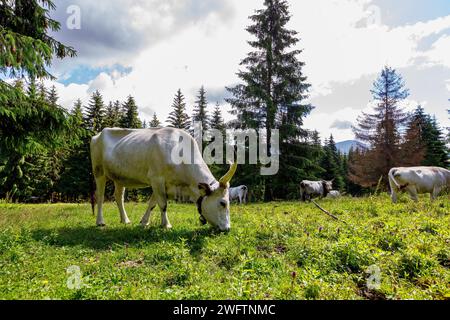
(100, 193)
(151, 205)
(119, 192)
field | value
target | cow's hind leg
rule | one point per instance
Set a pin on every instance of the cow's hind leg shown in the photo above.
(100, 194)
(119, 192)
(412, 193)
(159, 190)
(151, 205)
(435, 193)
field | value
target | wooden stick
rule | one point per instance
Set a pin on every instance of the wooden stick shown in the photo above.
(326, 212)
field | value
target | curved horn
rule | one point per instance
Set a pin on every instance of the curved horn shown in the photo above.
(229, 175)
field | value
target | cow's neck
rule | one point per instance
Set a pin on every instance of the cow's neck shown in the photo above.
(201, 174)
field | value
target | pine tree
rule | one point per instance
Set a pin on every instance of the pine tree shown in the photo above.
(331, 163)
(155, 123)
(27, 126)
(437, 153)
(130, 118)
(271, 93)
(74, 183)
(113, 115)
(32, 91)
(381, 130)
(216, 121)
(178, 118)
(413, 148)
(53, 97)
(95, 113)
(200, 109)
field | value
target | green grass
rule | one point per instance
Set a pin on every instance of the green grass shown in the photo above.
(285, 250)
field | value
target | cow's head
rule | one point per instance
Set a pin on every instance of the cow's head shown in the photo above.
(214, 204)
(327, 186)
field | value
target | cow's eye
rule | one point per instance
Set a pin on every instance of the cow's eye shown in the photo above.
(223, 204)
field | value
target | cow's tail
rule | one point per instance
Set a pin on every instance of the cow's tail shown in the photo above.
(392, 178)
(92, 195)
(92, 184)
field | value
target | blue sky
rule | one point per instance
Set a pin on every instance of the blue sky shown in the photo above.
(401, 12)
(150, 49)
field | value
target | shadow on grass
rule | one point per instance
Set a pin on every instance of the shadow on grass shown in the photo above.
(106, 238)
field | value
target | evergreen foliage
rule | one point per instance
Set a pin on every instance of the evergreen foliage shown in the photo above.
(271, 94)
(178, 118)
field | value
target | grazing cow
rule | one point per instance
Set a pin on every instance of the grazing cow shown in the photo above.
(334, 194)
(418, 180)
(138, 158)
(309, 189)
(239, 193)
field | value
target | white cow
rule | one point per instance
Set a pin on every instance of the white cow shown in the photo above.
(334, 194)
(309, 189)
(418, 180)
(138, 158)
(239, 193)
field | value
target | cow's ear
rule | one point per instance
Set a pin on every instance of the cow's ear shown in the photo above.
(205, 189)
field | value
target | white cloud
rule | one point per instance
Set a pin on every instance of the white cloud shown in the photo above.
(338, 49)
(440, 52)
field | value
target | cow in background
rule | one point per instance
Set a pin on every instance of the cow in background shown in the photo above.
(238, 193)
(310, 189)
(334, 194)
(418, 180)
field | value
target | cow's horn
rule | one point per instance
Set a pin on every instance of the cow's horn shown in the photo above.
(229, 175)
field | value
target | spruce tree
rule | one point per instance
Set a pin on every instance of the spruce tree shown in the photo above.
(437, 153)
(74, 183)
(178, 118)
(155, 123)
(130, 118)
(53, 97)
(413, 147)
(331, 162)
(216, 121)
(32, 90)
(95, 113)
(200, 109)
(113, 115)
(271, 93)
(381, 129)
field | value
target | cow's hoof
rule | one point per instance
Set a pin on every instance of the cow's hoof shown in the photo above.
(126, 222)
(101, 225)
(167, 227)
(144, 224)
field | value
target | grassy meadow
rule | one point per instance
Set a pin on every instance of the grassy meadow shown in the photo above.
(280, 250)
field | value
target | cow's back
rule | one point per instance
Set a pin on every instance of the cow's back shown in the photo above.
(104, 142)
(424, 178)
(134, 156)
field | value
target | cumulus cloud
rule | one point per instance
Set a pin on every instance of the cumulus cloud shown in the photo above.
(116, 31)
(341, 125)
(186, 44)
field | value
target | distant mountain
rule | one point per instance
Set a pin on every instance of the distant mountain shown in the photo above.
(345, 146)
